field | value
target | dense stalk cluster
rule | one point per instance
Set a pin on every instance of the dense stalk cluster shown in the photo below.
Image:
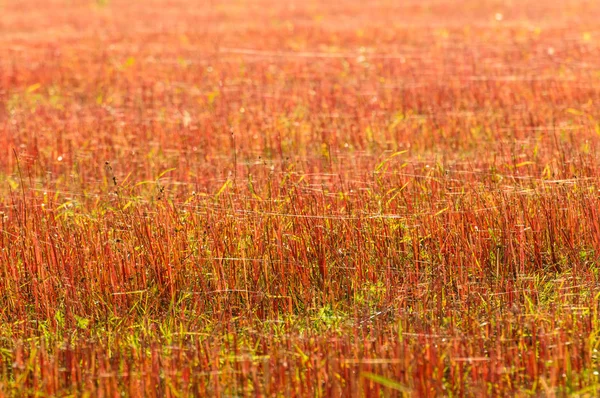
(299, 199)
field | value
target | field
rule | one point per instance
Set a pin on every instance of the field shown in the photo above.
(299, 198)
